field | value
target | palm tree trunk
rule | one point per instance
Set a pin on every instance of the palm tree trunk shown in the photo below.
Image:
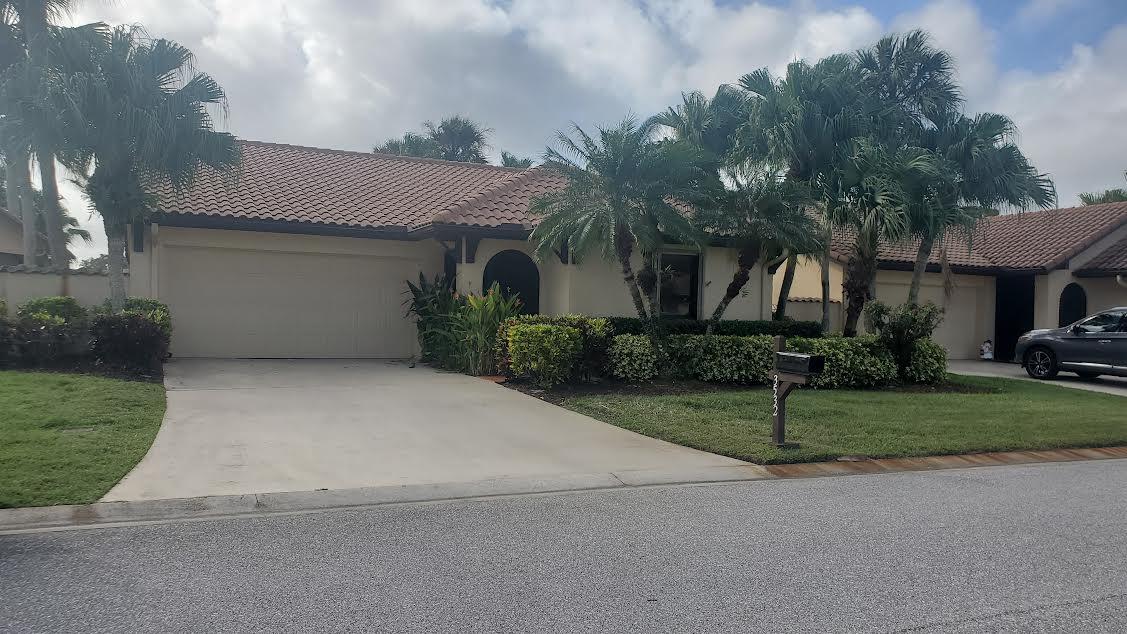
(52, 214)
(624, 249)
(826, 280)
(115, 237)
(745, 260)
(20, 201)
(784, 288)
(922, 256)
(860, 282)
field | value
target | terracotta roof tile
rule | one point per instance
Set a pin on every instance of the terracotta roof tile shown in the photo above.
(335, 187)
(1112, 260)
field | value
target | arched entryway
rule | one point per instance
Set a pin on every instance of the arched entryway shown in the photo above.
(515, 272)
(1073, 305)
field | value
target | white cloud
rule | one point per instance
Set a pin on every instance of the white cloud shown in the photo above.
(339, 73)
(1040, 11)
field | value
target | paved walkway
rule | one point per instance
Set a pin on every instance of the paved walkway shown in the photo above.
(256, 426)
(1104, 384)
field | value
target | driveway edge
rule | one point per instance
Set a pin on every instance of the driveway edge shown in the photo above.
(63, 517)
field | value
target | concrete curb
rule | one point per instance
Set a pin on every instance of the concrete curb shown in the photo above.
(64, 517)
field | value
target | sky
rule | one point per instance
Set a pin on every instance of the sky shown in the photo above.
(349, 74)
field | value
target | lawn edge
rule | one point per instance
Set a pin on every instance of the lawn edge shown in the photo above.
(111, 514)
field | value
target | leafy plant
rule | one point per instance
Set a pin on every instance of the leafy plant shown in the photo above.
(41, 338)
(130, 339)
(153, 309)
(595, 333)
(7, 338)
(900, 327)
(65, 308)
(927, 364)
(855, 362)
(632, 358)
(473, 329)
(722, 359)
(434, 303)
(546, 353)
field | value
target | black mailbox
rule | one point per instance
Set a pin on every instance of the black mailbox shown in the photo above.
(801, 364)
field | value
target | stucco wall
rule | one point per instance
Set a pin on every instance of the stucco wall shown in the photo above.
(808, 280)
(17, 288)
(968, 318)
(595, 286)
(11, 235)
(1102, 292)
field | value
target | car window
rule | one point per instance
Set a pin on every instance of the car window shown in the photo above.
(1103, 322)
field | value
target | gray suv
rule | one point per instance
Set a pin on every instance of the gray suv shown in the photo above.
(1090, 347)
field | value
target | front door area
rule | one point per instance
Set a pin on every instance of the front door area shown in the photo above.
(1013, 314)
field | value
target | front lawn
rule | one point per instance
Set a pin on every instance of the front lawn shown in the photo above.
(68, 438)
(970, 414)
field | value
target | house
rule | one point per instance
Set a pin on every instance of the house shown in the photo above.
(307, 252)
(1040, 269)
(11, 239)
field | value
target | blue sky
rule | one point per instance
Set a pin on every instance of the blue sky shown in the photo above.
(350, 74)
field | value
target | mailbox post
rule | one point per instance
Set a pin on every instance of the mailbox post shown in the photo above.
(791, 370)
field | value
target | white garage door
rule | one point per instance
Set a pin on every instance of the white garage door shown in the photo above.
(250, 303)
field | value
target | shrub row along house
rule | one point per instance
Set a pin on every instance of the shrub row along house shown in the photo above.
(1017, 272)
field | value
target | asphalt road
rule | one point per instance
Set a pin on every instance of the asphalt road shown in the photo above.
(1039, 547)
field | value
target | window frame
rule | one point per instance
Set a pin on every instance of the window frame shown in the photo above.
(697, 284)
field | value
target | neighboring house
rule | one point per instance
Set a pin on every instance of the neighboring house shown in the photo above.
(308, 252)
(1038, 269)
(11, 239)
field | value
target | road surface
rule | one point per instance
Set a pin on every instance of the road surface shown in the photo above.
(1035, 547)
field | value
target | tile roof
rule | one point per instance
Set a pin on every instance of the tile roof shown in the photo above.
(377, 191)
(335, 187)
(1112, 260)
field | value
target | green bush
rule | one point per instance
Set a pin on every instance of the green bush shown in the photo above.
(722, 358)
(595, 333)
(65, 308)
(7, 339)
(854, 362)
(729, 327)
(474, 330)
(153, 309)
(434, 304)
(632, 358)
(548, 354)
(130, 340)
(900, 327)
(927, 363)
(42, 338)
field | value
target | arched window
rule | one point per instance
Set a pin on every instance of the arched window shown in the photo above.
(1073, 305)
(516, 273)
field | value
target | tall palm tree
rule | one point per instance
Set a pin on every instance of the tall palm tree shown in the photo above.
(508, 159)
(984, 169)
(412, 144)
(455, 138)
(622, 188)
(13, 139)
(1117, 195)
(148, 121)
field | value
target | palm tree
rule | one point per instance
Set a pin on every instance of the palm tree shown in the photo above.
(455, 138)
(148, 121)
(622, 188)
(984, 169)
(1117, 195)
(16, 150)
(411, 144)
(508, 159)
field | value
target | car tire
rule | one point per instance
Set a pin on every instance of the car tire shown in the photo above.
(1088, 375)
(1041, 363)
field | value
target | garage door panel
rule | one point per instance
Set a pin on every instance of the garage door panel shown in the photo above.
(248, 303)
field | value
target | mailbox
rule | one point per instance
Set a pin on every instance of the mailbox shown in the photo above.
(800, 364)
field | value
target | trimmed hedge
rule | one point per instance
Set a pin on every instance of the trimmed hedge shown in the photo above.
(730, 327)
(155, 310)
(41, 338)
(545, 353)
(720, 358)
(632, 358)
(130, 340)
(927, 363)
(66, 308)
(594, 334)
(854, 362)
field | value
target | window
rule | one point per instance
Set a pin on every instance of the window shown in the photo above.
(1103, 322)
(680, 274)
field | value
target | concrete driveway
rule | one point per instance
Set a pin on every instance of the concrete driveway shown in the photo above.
(1104, 384)
(257, 426)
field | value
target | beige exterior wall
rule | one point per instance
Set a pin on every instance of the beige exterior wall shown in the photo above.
(1103, 293)
(11, 235)
(808, 280)
(968, 314)
(595, 286)
(17, 288)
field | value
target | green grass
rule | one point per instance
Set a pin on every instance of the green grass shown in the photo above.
(67, 439)
(1004, 415)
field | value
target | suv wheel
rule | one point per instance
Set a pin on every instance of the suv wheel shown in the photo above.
(1041, 363)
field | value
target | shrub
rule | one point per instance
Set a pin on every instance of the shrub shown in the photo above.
(41, 338)
(65, 308)
(927, 363)
(595, 333)
(7, 338)
(632, 358)
(130, 340)
(474, 330)
(155, 310)
(900, 327)
(546, 353)
(434, 304)
(722, 358)
(729, 327)
(857, 362)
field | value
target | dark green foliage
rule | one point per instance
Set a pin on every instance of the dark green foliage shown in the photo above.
(433, 303)
(7, 337)
(853, 362)
(595, 333)
(721, 358)
(731, 327)
(928, 363)
(41, 338)
(632, 358)
(129, 340)
(900, 327)
(65, 308)
(545, 353)
(153, 309)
